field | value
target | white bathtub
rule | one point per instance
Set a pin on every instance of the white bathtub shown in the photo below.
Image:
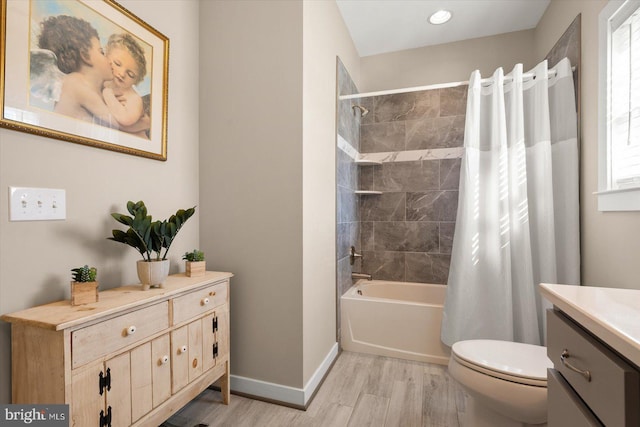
(396, 319)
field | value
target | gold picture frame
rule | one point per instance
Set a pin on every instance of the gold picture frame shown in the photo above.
(84, 71)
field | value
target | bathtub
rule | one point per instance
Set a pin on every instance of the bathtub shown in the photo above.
(396, 319)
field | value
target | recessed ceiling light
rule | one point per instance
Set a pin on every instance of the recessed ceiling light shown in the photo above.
(440, 17)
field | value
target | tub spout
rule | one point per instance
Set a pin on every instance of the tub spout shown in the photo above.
(355, 275)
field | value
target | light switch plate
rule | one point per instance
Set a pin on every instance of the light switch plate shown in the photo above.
(37, 204)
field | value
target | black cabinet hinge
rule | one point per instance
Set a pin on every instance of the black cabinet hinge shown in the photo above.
(105, 420)
(214, 324)
(105, 381)
(215, 350)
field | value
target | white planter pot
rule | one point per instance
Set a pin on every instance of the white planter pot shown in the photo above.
(153, 273)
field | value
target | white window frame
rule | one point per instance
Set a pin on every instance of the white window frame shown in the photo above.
(627, 199)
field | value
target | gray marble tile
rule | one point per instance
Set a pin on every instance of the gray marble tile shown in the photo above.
(407, 106)
(405, 236)
(344, 275)
(347, 205)
(432, 206)
(450, 174)
(453, 101)
(446, 237)
(427, 268)
(384, 265)
(383, 207)
(382, 137)
(348, 124)
(348, 235)
(369, 105)
(365, 177)
(437, 132)
(342, 238)
(366, 236)
(347, 173)
(418, 175)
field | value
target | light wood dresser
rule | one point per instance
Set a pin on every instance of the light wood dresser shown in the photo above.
(133, 358)
(593, 340)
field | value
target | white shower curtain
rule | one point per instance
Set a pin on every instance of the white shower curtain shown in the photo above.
(517, 223)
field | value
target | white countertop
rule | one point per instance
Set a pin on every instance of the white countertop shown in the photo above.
(613, 315)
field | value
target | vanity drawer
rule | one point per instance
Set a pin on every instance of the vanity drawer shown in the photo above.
(565, 408)
(200, 301)
(612, 390)
(93, 342)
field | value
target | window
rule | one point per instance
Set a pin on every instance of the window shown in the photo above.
(619, 107)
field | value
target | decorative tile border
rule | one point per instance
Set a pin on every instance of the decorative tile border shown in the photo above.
(401, 156)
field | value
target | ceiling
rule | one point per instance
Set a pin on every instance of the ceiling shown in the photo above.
(381, 26)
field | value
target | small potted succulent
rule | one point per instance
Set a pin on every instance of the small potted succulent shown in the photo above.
(149, 238)
(84, 287)
(195, 263)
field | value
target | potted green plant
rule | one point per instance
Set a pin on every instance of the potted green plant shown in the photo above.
(150, 238)
(84, 286)
(195, 265)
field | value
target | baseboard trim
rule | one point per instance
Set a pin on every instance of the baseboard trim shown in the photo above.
(278, 393)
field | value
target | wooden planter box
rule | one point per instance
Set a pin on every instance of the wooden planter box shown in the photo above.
(84, 292)
(195, 268)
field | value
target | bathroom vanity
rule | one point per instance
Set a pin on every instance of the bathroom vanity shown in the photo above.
(593, 340)
(133, 358)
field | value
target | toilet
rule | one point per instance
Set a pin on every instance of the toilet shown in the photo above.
(506, 382)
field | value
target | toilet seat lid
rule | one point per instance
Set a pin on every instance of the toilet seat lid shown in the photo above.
(512, 361)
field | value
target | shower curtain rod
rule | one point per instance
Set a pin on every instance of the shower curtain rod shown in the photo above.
(525, 77)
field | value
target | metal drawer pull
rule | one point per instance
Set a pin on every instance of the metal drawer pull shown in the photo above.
(563, 358)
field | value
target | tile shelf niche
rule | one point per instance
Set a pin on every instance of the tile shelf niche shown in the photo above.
(365, 162)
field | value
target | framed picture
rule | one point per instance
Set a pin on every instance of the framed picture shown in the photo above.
(84, 71)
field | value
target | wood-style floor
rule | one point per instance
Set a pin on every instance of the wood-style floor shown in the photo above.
(360, 390)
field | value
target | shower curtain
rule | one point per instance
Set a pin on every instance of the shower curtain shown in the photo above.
(517, 223)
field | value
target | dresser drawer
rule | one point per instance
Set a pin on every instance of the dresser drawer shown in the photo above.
(91, 343)
(565, 408)
(200, 301)
(612, 389)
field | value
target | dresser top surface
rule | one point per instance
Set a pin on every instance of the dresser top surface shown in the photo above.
(61, 315)
(611, 314)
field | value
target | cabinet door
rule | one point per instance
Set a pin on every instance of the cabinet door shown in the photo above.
(179, 358)
(86, 400)
(215, 331)
(195, 349)
(161, 369)
(222, 334)
(208, 342)
(119, 397)
(141, 381)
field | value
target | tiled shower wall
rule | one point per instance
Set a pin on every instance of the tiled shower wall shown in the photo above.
(406, 232)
